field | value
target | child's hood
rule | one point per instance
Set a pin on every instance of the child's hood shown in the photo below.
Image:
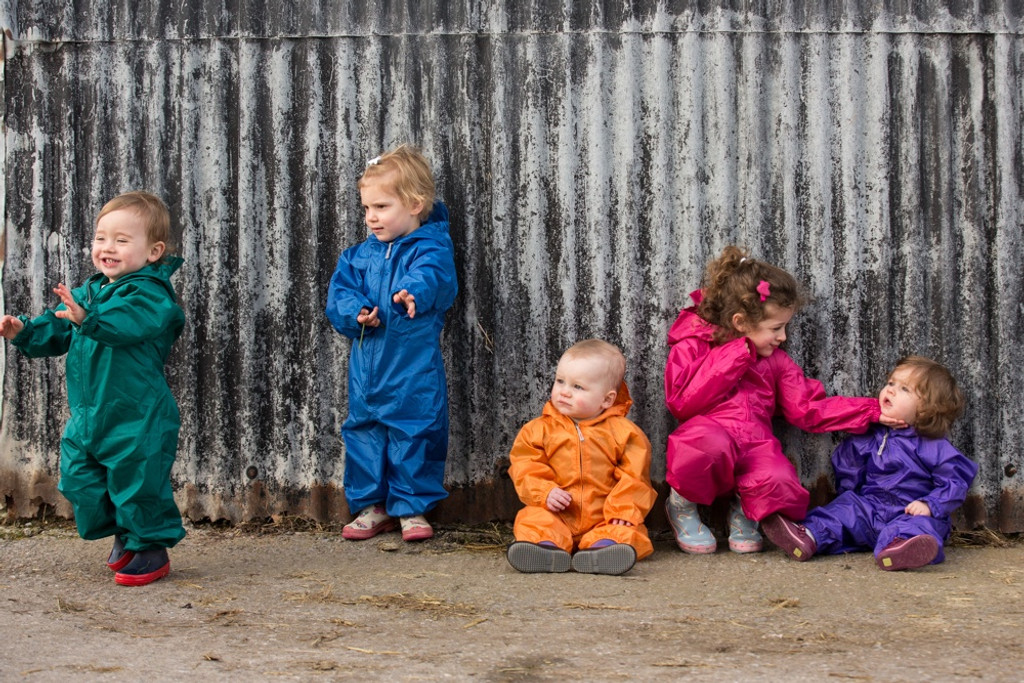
(689, 324)
(623, 402)
(161, 272)
(434, 228)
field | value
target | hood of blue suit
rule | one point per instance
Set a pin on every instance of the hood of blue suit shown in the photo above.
(435, 227)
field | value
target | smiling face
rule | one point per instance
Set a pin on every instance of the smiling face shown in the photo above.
(386, 216)
(581, 388)
(121, 244)
(899, 398)
(770, 332)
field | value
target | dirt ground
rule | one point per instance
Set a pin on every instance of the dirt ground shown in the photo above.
(287, 603)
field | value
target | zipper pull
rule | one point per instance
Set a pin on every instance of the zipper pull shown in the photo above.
(882, 447)
(388, 255)
(578, 430)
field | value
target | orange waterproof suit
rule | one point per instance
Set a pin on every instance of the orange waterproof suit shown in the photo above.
(604, 463)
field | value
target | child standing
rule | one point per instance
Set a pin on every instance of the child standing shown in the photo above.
(120, 442)
(389, 294)
(725, 379)
(583, 471)
(897, 487)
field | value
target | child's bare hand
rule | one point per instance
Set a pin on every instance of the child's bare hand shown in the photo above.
(558, 500)
(73, 312)
(918, 508)
(10, 327)
(408, 300)
(893, 422)
(368, 317)
(621, 522)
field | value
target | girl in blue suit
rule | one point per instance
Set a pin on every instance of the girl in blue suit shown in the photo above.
(389, 294)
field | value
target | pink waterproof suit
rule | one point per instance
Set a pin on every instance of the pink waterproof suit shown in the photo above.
(724, 397)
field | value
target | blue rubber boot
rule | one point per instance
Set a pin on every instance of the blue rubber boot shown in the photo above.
(743, 534)
(119, 557)
(146, 567)
(691, 534)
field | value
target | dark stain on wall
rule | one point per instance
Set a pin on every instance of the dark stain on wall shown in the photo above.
(594, 157)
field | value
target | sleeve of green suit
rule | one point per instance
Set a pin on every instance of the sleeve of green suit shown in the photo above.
(137, 312)
(46, 335)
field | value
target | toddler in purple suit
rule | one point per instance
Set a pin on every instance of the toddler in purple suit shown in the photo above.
(896, 486)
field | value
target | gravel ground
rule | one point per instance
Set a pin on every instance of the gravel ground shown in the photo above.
(289, 603)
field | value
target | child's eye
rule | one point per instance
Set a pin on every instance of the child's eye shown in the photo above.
(577, 387)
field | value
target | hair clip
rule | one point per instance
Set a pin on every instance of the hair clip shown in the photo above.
(373, 162)
(764, 288)
(742, 260)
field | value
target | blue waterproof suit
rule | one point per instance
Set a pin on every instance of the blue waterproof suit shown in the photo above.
(877, 475)
(119, 445)
(396, 433)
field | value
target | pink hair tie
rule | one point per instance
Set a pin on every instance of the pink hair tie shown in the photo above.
(764, 289)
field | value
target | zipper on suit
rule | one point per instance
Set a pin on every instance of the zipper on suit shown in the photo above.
(579, 433)
(881, 447)
(384, 282)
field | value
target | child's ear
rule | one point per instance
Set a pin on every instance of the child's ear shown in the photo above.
(609, 399)
(739, 322)
(156, 251)
(417, 208)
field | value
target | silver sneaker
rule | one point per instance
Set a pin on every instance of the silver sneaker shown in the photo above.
(691, 534)
(743, 534)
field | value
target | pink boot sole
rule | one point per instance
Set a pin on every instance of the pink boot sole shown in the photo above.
(351, 533)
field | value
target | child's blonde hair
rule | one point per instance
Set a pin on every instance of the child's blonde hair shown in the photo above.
(408, 175)
(151, 209)
(734, 283)
(599, 349)
(941, 401)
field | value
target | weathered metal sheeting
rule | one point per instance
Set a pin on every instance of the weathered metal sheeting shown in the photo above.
(594, 157)
(107, 20)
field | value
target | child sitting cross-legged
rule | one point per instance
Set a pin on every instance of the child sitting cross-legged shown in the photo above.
(897, 486)
(583, 471)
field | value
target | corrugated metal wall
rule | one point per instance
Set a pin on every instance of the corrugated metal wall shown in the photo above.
(594, 156)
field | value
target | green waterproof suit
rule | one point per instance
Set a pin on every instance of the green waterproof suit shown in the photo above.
(119, 445)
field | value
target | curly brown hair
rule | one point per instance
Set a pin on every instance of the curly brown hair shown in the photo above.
(730, 287)
(940, 399)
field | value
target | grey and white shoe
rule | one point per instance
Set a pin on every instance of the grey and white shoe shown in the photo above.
(691, 534)
(743, 534)
(531, 558)
(613, 560)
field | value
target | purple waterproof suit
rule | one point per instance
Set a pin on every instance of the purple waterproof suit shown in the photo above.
(724, 397)
(877, 475)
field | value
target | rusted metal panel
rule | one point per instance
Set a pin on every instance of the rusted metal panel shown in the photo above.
(594, 156)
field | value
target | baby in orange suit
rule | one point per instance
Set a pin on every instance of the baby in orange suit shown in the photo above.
(583, 471)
